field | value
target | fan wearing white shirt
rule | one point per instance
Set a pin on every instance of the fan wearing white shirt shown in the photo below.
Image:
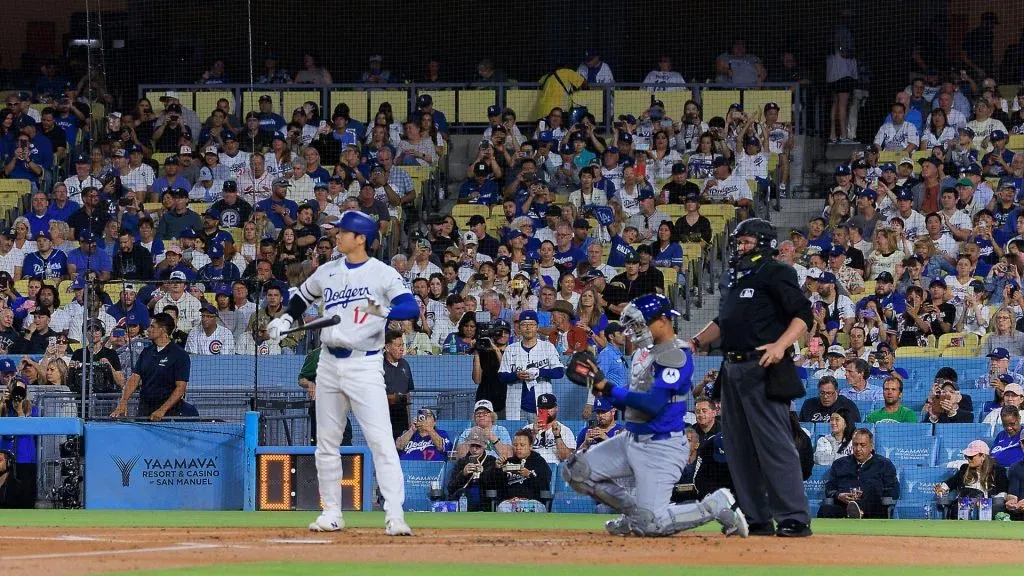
(664, 74)
(11, 258)
(954, 221)
(913, 221)
(898, 135)
(728, 187)
(983, 125)
(232, 158)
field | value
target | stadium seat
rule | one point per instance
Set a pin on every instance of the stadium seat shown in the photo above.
(397, 98)
(673, 210)
(815, 485)
(418, 476)
(727, 211)
(967, 352)
(473, 104)
(910, 450)
(955, 437)
(916, 352)
(756, 99)
(917, 491)
(523, 101)
(251, 101)
(186, 97)
(958, 340)
(637, 101)
(444, 101)
(889, 433)
(206, 102)
(1016, 142)
(357, 100)
(717, 102)
(293, 99)
(864, 407)
(592, 99)
(467, 210)
(565, 499)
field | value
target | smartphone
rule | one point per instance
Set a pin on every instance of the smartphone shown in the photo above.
(323, 123)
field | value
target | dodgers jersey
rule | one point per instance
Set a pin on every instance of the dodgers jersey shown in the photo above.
(222, 341)
(346, 290)
(542, 356)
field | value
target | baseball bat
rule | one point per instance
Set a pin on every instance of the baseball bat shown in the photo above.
(323, 322)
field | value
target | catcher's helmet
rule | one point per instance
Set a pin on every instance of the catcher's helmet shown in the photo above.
(638, 315)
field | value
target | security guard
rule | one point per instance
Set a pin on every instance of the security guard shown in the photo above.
(163, 370)
(762, 313)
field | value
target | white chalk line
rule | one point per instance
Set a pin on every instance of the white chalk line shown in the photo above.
(177, 548)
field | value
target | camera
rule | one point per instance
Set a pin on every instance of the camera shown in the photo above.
(484, 145)
(174, 117)
(125, 202)
(106, 177)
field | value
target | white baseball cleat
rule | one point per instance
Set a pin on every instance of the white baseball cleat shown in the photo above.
(729, 515)
(327, 523)
(397, 527)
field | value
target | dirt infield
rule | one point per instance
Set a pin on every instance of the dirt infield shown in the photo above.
(88, 551)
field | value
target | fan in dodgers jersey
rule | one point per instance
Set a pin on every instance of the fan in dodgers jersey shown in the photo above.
(364, 293)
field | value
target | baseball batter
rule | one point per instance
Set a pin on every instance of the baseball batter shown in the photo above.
(653, 450)
(365, 293)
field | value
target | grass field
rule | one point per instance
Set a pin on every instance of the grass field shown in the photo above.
(293, 523)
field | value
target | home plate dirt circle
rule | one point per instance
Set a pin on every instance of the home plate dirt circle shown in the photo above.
(34, 551)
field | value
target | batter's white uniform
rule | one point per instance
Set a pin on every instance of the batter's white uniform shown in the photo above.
(222, 341)
(350, 375)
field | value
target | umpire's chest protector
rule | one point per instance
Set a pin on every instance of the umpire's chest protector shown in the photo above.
(756, 308)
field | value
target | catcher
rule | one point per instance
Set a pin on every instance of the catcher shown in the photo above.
(653, 450)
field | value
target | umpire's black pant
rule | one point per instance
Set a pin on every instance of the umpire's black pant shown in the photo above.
(758, 439)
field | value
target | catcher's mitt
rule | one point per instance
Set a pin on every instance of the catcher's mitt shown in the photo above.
(583, 370)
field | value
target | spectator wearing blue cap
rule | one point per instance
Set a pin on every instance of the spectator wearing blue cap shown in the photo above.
(997, 162)
(594, 69)
(836, 310)
(481, 188)
(601, 427)
(80, 180)
(218, 269)
(45, 262)
(128, 305)
(87, 258)
(868, 216)
(849, 278)
(751, 158)
(913, 221)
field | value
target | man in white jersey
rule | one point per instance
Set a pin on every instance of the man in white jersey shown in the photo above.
(81, 179)
(210, 338)
(364, 293)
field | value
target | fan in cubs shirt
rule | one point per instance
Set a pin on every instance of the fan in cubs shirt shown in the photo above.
(211, 339)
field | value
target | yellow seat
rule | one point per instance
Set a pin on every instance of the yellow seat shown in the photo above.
(444, 101)
(159, 157)
(718, 223)
(1016, 142)
(186, 97)
(296, 98)
(592, 99)
(211, 297)
(869, 286)
(63, 287)
(206, 102)
(397, 98)
(670, 276)
(692, 251)
(727, 211)
(916, 352)
(637, 101)
(467, 210)
(843, 339)
(717, 102)
(959, 352)
(358, 103)
(756, 99)
(21, 286)
(606, 250)
(523, 101)
(890, 156)
(236, 235)
(473, 106)
(251, 101)
(673, 210)
(113, 289)
(958, 340)
(199, 207)
(153, 208)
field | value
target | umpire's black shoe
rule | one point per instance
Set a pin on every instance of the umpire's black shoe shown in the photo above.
(760, 529)
(793, 529)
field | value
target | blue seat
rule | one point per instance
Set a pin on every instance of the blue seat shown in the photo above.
(914, 398)
(979, 396)
(864, 407)
(888, 433)
(955, 437)
(910, 451)
(815, 485)
(418, 475)
(565, 499)
(917, 490)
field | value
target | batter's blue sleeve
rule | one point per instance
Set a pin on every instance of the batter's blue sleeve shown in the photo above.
(404, 307)
(650, 402)
(552, 373)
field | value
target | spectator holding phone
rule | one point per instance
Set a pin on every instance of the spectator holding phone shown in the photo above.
(600, 427)
(522, 477)
(468, 474)
(423, 441)
(944, 403)
(980, 477)
(552, 440)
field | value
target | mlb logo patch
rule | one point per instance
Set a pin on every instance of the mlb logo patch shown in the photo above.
(747, 293)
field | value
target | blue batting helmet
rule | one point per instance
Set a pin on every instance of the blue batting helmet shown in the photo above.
(638, 315)
(359, 223)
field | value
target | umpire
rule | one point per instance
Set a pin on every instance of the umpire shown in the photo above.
(762, 313)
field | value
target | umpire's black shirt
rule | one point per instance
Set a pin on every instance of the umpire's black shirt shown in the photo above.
(758, 308)
(159, 370)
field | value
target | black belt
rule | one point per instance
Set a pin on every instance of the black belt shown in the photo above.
(743, 356)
